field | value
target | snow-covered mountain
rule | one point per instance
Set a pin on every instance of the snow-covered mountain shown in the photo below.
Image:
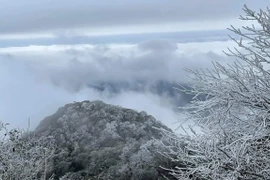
(95, 140)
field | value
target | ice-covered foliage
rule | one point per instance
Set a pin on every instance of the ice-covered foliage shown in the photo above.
(234, 113)
(23, 156)
(100, 141)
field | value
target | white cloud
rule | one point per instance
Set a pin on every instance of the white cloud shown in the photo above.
(36, 80)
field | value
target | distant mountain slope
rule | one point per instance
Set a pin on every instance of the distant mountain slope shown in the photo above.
(160, 88)
(100, 141)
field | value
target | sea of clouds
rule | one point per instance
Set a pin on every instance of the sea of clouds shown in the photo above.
(37, 80)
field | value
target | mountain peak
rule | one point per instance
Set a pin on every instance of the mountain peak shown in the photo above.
(98, 139)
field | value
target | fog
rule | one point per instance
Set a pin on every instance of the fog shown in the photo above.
(37, 80)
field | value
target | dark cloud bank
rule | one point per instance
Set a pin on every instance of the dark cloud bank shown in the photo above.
(46, 16)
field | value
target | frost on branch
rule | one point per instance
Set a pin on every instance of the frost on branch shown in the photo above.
(234, 113)
(22, 155)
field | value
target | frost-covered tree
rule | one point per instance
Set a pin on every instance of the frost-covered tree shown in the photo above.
(22, 155)
(231, 105)
(95, 140)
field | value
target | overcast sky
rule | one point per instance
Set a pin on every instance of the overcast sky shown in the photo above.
(51, 50)
(50, 18)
